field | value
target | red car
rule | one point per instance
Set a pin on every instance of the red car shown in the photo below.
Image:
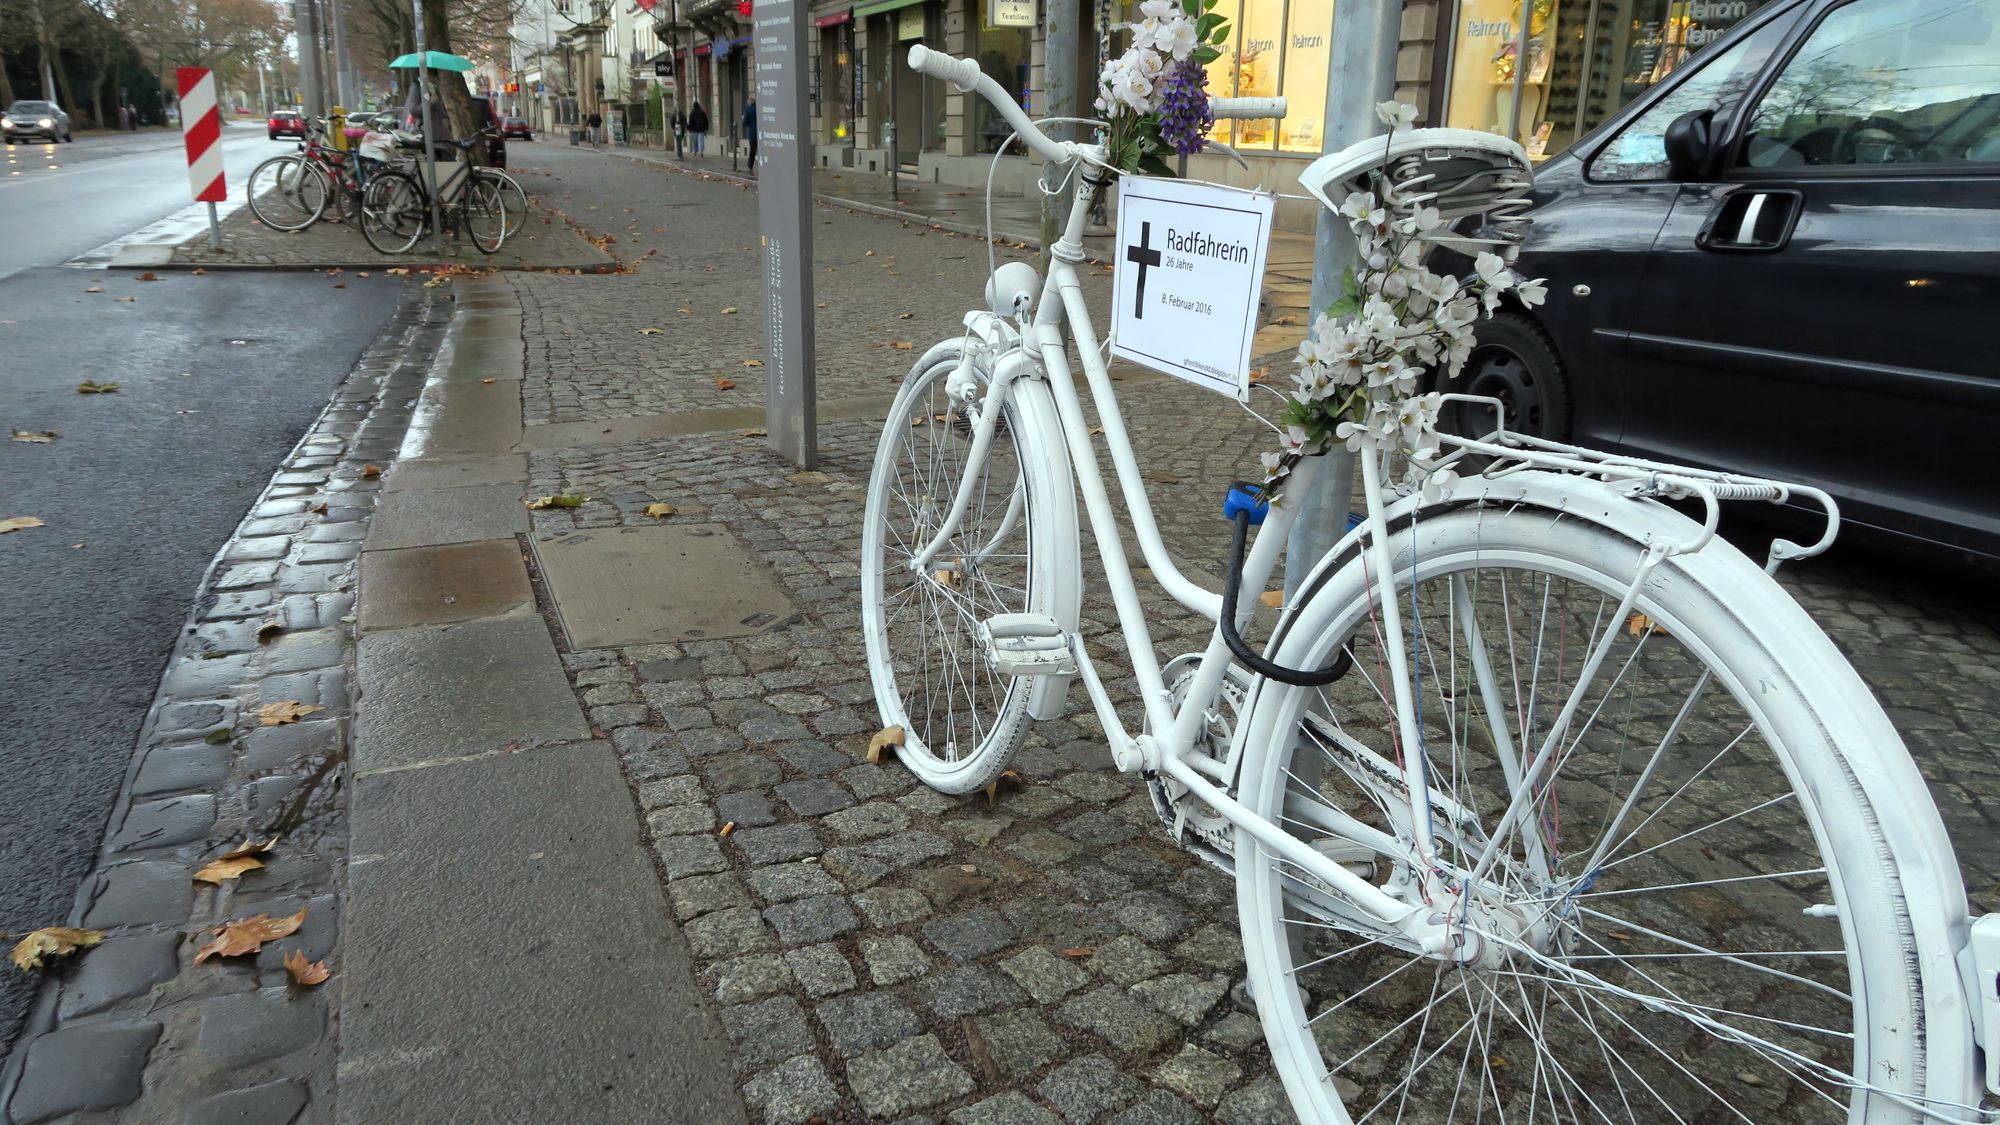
(516, 127)
(286, 123)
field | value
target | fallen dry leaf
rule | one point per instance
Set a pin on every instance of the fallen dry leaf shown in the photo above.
(340, 285)
(318, 509)
(127, 300)
(651, 331)
(307, 974)
(730, 311)
(756, 433)
(95, 289)
(248, 935)
(904, 316)
(1160, 476)
(901, 345)
(268, 630)
(88, 387)
(725, 384)
(571, 500)
(1286, 319)
(488, 380)
(753, 363)
(1640, 625)
(1080, 951)
(949, 577)
(1096, 430)
(223, 869)
(34, 437)
(282, 712)
(661, 510)
(363, 273)
(993, 787)
(250, 847)
(1273, 598)
(52, 941)
(885, 739)
(19, 523)
(204, 273)
(1261, 375)
(370, 472)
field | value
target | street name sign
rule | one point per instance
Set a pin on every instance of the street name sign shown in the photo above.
(784, 211)
(1188, 270)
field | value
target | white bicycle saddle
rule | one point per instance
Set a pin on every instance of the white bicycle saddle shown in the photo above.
(1460, 172)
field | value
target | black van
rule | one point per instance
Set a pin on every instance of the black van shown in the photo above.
(1785, 261)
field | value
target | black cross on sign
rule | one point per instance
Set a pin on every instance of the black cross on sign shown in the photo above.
(1142, 255)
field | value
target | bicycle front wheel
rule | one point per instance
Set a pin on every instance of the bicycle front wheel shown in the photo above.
(482, 212)
(961, 720)
(1692, 913)
(286, 193)
(394, 213)
(515, 199)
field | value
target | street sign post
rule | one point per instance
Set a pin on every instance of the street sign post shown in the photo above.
(201, 132)
(784, 209)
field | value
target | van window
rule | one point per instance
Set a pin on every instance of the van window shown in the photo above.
(1639, 151)
(1886, 82)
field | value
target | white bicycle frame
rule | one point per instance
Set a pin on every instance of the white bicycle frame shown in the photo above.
(1962, 987)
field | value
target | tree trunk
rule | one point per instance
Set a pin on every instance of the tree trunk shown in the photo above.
(450, 85)
(6, 87)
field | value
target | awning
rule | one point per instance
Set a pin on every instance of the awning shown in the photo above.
(880, 6)
(834, 20)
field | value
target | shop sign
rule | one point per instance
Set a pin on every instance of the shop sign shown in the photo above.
(1012, 13)
(1189, 270)
(910, 22)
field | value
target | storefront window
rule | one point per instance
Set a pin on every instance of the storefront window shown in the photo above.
(836, 83)
(1002, 47)
(1258, 39)
(1583, 61)
(1308, 57)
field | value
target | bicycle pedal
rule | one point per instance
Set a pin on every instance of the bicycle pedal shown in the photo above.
(1026, 644)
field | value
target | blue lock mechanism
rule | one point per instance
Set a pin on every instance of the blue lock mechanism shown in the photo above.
(1246, 497)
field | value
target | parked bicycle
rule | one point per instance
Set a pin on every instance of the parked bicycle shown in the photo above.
(396, 207)
(1543, 802)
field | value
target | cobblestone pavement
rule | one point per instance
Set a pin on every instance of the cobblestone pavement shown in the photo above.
(134, 1030)
(543, 242)
(879, 951)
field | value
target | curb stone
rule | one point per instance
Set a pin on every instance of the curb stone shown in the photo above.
(132, 1030)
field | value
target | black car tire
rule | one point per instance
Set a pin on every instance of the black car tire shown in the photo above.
(1513, 361)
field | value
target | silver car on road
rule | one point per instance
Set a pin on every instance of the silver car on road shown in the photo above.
(25, 120)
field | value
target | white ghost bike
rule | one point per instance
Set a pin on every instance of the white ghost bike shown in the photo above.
(1543, 802)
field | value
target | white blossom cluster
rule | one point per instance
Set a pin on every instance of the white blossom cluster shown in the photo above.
(1361, 367)
(1132, 81)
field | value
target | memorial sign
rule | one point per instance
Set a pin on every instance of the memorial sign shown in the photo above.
(784, 211)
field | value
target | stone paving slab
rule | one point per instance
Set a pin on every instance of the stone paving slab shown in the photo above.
(452, 996)
(444, 584)
(432, 516)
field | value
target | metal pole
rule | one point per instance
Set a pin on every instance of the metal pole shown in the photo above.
(1520, 69)
(1364, 73)
(214, 229)
(343, 70)
(1062, 18)
(430, 152)
(308, 42)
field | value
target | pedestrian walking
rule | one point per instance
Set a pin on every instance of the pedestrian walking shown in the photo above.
(596, 129)
(698, 128)
(750, 129)
(679, 123)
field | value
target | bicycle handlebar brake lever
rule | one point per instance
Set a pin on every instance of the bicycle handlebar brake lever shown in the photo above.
(1240, 648)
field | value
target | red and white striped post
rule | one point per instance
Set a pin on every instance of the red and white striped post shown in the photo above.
(201, 129)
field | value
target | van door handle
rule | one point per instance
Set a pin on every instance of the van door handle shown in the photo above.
(1752, 221)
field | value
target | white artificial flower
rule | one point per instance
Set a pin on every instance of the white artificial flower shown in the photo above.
(1295, 436)
(1159, 9)
(1435, 288)
(1493, 272)
(1135, 90)
(1395, 114)
(1177, 38)
(1361, 208)
(1271, 462)
(1532, 293)
(1145, 35)
(1146, 62)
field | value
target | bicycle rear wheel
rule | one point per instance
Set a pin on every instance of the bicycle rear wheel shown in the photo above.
(1700, 917)
(394, 213)
(287, 193)
(482, 213)
(962, 721)
(515, 198)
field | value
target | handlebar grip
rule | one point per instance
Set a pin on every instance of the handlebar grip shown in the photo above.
(1250, 108)
(962, 73)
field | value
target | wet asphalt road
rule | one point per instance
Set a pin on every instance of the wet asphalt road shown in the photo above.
(220, 375)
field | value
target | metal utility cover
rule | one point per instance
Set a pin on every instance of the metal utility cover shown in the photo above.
(646, 585)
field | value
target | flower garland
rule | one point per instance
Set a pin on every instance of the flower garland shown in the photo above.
(1361, 366)
(1155, 96)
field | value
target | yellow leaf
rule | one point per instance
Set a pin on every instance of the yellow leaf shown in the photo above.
(651, 331)
(1273, 598)
(753, 363)
(884, 739)
(1286, 319)
(248, 935)
(17, 523)
(901, 345)
(949, 577)
(661, 510)
(52, 941)
(572, 500)
(1096, 429)
(1640, 625)
(220, 871)
(307, 974)
(35, 437)
(282, 712)
(756, 433)
(730, 311)
(88, 387)
(487, 380)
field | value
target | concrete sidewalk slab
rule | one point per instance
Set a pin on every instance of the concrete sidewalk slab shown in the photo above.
(442, 585)
(646, 585)
(459, 690)
(455, 472)
(483, 345)
(505, 964)
(428, 517)
(465, 417)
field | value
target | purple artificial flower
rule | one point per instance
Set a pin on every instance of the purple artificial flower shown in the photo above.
(1184, 114)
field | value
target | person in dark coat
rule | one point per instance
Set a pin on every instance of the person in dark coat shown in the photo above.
(596, 128)
(750, 129)
(698, 127)
(679, 124)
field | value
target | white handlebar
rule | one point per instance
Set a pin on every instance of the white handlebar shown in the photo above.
(1250, 108)
(962, 73)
